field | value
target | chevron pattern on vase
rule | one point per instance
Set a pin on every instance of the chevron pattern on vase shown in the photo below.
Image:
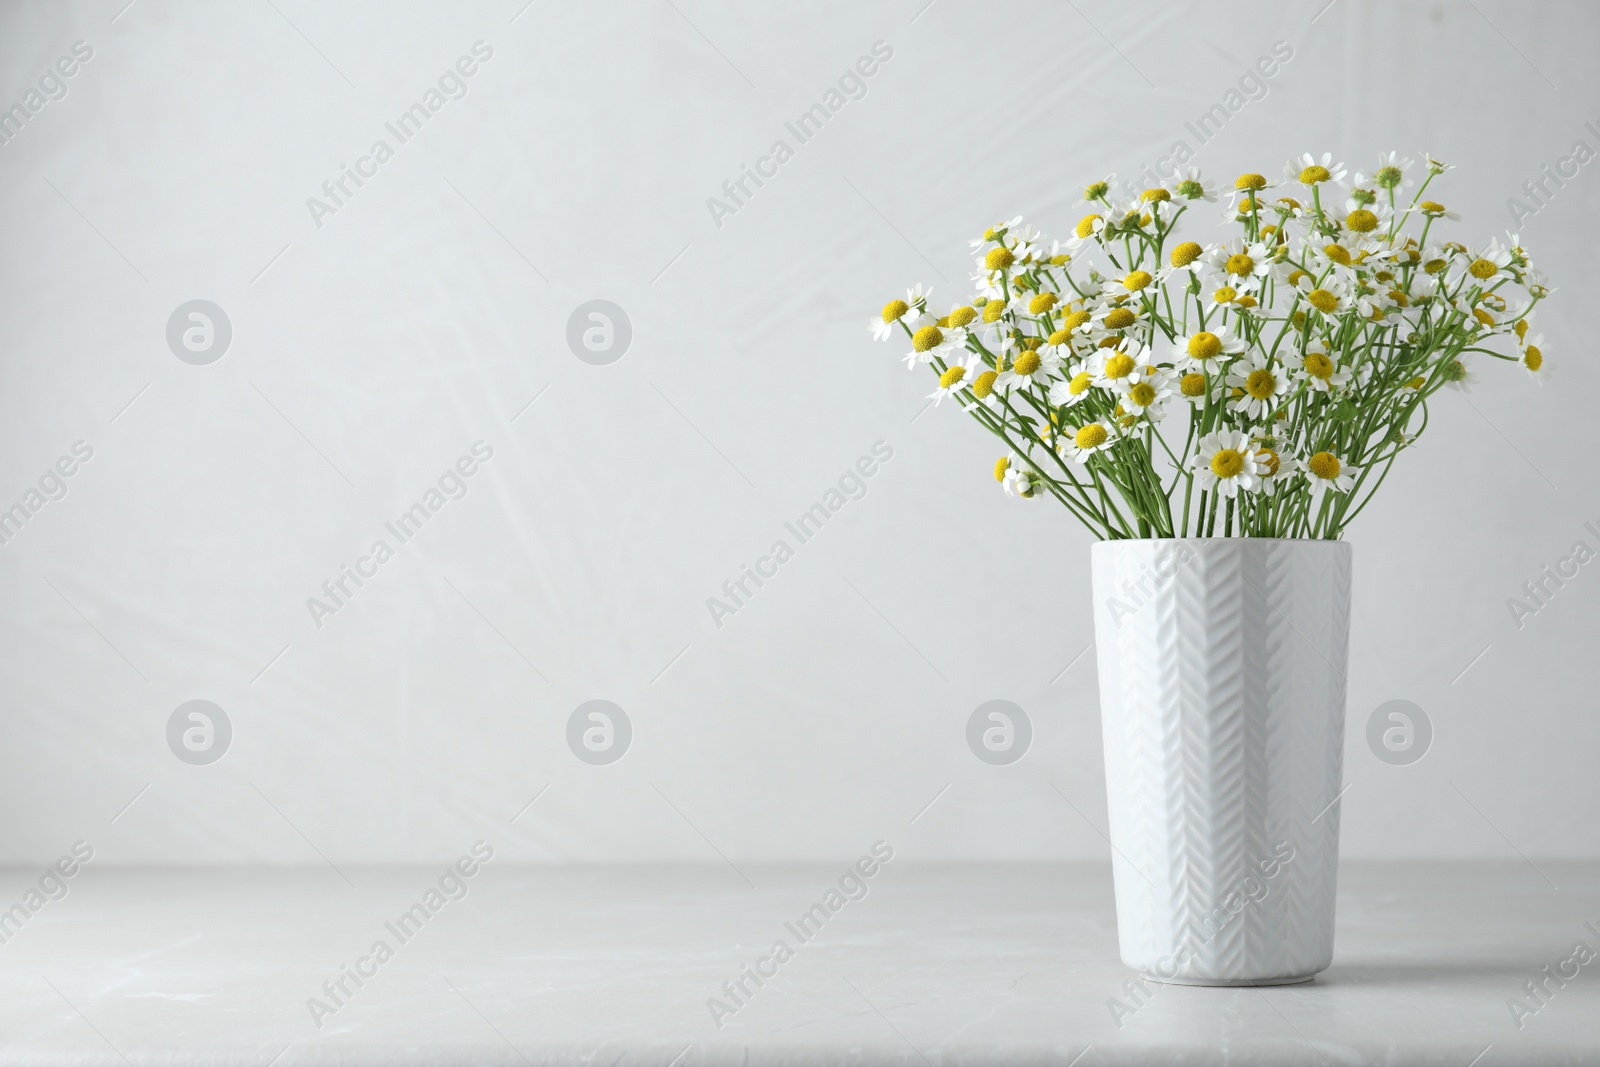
(1222, 693)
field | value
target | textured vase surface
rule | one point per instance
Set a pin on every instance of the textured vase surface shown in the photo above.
(1222, 693)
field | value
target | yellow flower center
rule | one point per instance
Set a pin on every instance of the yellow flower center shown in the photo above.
(1060, 337)
(1001, 465)
(1319, 365)
(1324, 465)
(1227, 463)
(1532, 358)
(1338, 253)
(1240, 264)
(1119, 318)
(1042, 303)
(1205, 345)
(1119, 365)
(1079, 383)
(983, 384)
(1417, 383)
(1261, 384)
(1322, 300)
(1155, 194)
(962, 315)
(1143, 394)
(1314, 174)
(1245, 301)
(1295, 276)
(1192, 384)
(894, 309)
(1225, 295)
(1361, 220)
(952, 377)
(1522, 328)
(999, 259)
(1268, 460)
(1091, 436)
(1483, 316)
(1250, 181)
(1075, 320)
(1434, 266)
(1482, 269)
(1027, 363)
(1185, 254)
(942, 321)
(1137, 280)
(927, 338)
(1432, 207)
(1086, 225)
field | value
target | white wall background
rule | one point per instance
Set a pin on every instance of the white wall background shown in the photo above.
(429, 310)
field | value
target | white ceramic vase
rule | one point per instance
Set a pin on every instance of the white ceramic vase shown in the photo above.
(1222, 692)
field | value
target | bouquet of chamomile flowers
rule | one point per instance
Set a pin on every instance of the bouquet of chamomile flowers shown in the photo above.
(1260, 387)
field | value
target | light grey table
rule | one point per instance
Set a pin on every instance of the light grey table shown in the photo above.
(981, 964)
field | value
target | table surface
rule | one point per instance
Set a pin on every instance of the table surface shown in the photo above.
(968, 965)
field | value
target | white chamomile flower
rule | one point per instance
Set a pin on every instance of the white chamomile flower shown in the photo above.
(1190, 186)
(1189, 257)
(995, 232)
(1111, 368)
(1435, 210)
(1130, 285)
(1483, 263)
(1259, 383)
(1389, 174)
(1073, 389)
(1206, 351)
(1088, 439)
(1274, 468)
(1101, 191)
(1242, 263)
(895, 311)
(958, 375)
(1330, 297)
(1533, 356)
(1310, 170)
(931, 341)
(1435, 166)
(1328, 473)
(1460, 376)
(1030, 366)
(1015, 479)
(1320, 372)
(917, 298)
(1149, 395)
(1226, 462)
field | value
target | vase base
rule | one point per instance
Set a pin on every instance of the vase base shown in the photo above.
(1298, 979)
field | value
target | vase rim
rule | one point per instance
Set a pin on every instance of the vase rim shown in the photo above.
(1219, 540)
